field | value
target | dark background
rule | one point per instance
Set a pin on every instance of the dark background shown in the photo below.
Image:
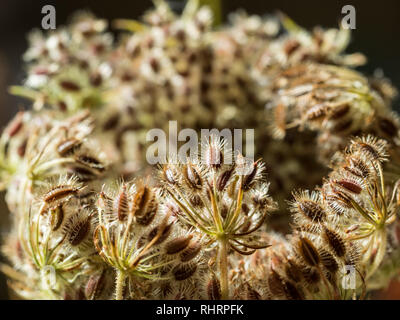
(376, 35)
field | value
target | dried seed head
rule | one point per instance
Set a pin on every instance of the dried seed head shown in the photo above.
(372, 148)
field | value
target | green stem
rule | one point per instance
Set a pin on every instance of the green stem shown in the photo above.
(120, 285)
(223, 268)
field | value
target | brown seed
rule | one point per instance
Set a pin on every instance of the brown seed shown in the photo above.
(328, 261)
(224, 178)
(349, 186)
(370, 150)
(78, 232)
(312, 210)
(57, 217)
(60, 192)
(252, 294)
(191, 251)
(214, 157)
(214, 289)
(311, 275)
(193, 177)
(90, 162)
(120, 205)
(316, 112)
(248, 180)
(335, 242)
(22, 148)
(308, 252)
(70, 86)
(292, 271)
(276, 284)
(178, 244)
(68, 146)
(291, 292)
(339, 111)
(184, 271)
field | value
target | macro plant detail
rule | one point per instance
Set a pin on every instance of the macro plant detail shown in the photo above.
(91, 219)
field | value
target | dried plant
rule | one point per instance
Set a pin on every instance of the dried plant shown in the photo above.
(90, 219)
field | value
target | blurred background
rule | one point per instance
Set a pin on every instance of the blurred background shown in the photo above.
(376, 35)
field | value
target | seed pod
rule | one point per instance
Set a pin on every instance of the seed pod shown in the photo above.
(191, 251)
(276, 284)
(90, 162)
(78, 229)
(339, 111)
(308, 252)
(311, 275)
(169, 175)
(349, 185)
(224, 178)
(335, 242)
(213, 289)
(311, 209)
(193, 177)
(214, 157)
(57, 217)
(184, 271)
(95, 286)
(328, 261)
(120, 205)
(70, 86)
(68, 146)
(248, 180)
(144, 206)
(196, 201)
(292, 271)
(178, 244)
(59, 193)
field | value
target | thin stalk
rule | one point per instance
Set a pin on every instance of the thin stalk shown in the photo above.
(120, 285)
(223, 268)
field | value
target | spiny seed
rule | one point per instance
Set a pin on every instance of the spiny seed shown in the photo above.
(311, 275)
(60, 192)
(308, 252)
(292, 271)
(178, 244)
(78, 232)
(184, 271)
(248, 180)
(169, 176)
(121, 204)
(68, 146)
(214, 157)
(339, 111)
(350, 186)
(164, 235)
(316, 112)
(95, 286)
(57, 217)
(328, 261)
(214, 289)
(361, 167)
(275, 284)
(370, 150)
(70, 86)
(224, 178)
(191, 251)
(193, 177)
(91, 162)
(196, 201)
(336, 243)
(311, 210)
(140, 200)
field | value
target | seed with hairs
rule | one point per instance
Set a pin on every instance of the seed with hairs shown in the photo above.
(178, 244)
(196, 201)
(164, 235)
(95, 286)
(57, 217)
(120, 205)
(214, 157)
(349, 186)
(78, 231)
(339, 111)
(370, 150)
(68, 146)
(191, 251)
(184, 271)
(292, 271)
(308, 252)
(169, 176)
(249, 179)
(140, 201)
(193, 177)
(70, 86)
(224, 178)
(335, 242)
(60, 192)
(311, 210)
(311, 275)
(328, 261)
(214, 289)
(91, 162)
(316, 112)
